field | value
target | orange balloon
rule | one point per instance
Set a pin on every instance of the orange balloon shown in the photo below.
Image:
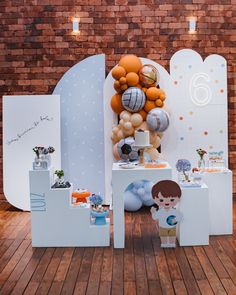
(152, 93)
(143, 114)
(116, 104)
(138, 86)
(149, 105)
(124, 87)
(132, 79)
(118, 72)
(162, 94)
(117, 86)
(144, 89)
(159, 103)
(122, 80)
(131, 63)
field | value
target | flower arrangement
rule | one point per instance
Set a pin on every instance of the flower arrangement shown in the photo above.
(59, 173)
(96, 201)
(201, 153)
(60, 182)
(201, 162)
(98, 213)
(42, 160)
(40, 150)
(183, 166)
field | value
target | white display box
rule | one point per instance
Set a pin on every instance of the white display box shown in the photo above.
(121, 178)
(193, 230)
(220, 201)
(55, 222)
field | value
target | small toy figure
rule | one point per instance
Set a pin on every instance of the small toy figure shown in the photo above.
(166, 195)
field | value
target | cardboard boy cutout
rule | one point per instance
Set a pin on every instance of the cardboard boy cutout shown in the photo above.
(166, 194)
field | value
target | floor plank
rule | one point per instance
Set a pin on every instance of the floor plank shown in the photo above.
(143, 267)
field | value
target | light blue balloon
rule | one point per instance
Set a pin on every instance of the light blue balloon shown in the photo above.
(148, 186)
(131, 201)
(149, 202)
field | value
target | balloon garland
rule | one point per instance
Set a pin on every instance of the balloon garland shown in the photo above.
(139, 103)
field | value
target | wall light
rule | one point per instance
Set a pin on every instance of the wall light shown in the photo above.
(192, 21)
(75, 25)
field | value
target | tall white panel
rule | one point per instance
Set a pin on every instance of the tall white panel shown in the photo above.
(197, 100)
(82, 126)
(28, 121)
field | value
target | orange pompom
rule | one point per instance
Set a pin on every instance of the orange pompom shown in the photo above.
(159, 103)
(149, 105)
(118, 72)
(122, 80)
(116, 104)
(132, 79)
(152, 93)
(143, 114)
(124, 87)
(131, 63)
(144, 89)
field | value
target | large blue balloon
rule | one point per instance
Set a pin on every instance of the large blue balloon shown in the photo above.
(131, 201)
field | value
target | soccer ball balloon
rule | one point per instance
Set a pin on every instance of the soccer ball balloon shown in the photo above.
(158, 120)
(126, 149)
(133, 99)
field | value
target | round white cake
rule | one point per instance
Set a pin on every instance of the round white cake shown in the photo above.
(142, 138)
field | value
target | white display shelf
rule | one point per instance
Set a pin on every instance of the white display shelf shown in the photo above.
(193, 230)
(55, 222)
(220, 201)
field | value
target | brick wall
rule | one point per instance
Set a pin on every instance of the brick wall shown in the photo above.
(37, 45)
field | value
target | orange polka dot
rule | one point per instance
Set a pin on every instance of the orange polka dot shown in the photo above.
(221, 131)
(221, 90)
(210, 147)
(205, 133)
(190, 128)
(175, 82)
(216, 81)
(190, 113)
(181, 118)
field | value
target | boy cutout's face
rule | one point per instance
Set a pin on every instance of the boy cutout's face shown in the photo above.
(165, 202)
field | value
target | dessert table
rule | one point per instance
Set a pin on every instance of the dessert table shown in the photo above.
(121, 178)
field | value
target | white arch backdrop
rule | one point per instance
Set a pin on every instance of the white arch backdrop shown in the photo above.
(196, 99)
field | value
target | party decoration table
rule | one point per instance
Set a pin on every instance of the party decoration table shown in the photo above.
(193, 230)
(121, 178)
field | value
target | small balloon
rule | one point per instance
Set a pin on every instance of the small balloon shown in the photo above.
(131, 201)
(127, 125)
(136, 120)
(120, 134)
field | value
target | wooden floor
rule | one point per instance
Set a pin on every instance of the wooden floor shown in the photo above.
(141, 268)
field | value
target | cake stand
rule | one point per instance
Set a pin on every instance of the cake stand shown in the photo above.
(141, 149)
